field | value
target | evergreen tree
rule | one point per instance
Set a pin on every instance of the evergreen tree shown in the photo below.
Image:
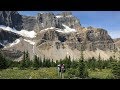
(44, 62)
(40, 62)
(25, 63)
(93, 63)
(56, 62)
(52, 63)
(22, 63)
(83, 73)
(116, 70)
(74, 64)
(48, 63)
(3, 61)
(24, 56)
(10, 63)
(104, 64)
(111, 59)
(69, 62)
(99, 63)
(36, 62)
(60, 62)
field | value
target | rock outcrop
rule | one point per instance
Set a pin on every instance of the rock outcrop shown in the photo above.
(12, 19)
(29, 23)
(7, 37)
(91, 39)
(68, 19)
(43, 20)
(47, 20)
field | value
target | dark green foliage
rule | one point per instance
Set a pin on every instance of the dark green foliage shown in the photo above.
(44, 62)
(52, 64)
(57, 62)
(99, 63)
(111, 59)
(116, 70)
(91, 64)
(3, 61)
(74, 64)
(40, 62)
(25, 63)
(67, 62)
(36, 62)
(82, 70)
(71, 73)
(83, 73)
(47, 61)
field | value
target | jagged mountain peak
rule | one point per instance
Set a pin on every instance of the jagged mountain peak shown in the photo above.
(43, 13)
(57, 35)
(65, 13)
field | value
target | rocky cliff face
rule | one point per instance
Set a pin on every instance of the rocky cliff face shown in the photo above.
(43, 20)
(117, 43)
(29, 23)
(68, 19)
(99, 38)
(11, 18)
(7, 37)
(60, 34)
(91, 39)
(47, 20)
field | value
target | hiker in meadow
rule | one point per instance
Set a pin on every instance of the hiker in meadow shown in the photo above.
(62, 70)
(59, 69)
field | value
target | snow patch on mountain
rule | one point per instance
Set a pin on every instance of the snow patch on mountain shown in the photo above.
(15, 42)
(47, 29)
(66, 30)
(30, 34)
(69, 16)
(25, 33)
(29, 41)
(42, 24)
(59, 16)
(2, 44)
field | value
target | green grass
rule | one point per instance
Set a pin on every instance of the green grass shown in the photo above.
(47, 73)
(103, 74)
(42, 73)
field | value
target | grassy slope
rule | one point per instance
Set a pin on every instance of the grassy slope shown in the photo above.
(46, 73)
(41, 73)
(103, 74)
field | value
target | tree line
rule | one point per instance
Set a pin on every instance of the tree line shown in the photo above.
(76, 67)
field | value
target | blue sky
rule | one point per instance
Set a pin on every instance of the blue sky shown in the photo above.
(109, 20)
